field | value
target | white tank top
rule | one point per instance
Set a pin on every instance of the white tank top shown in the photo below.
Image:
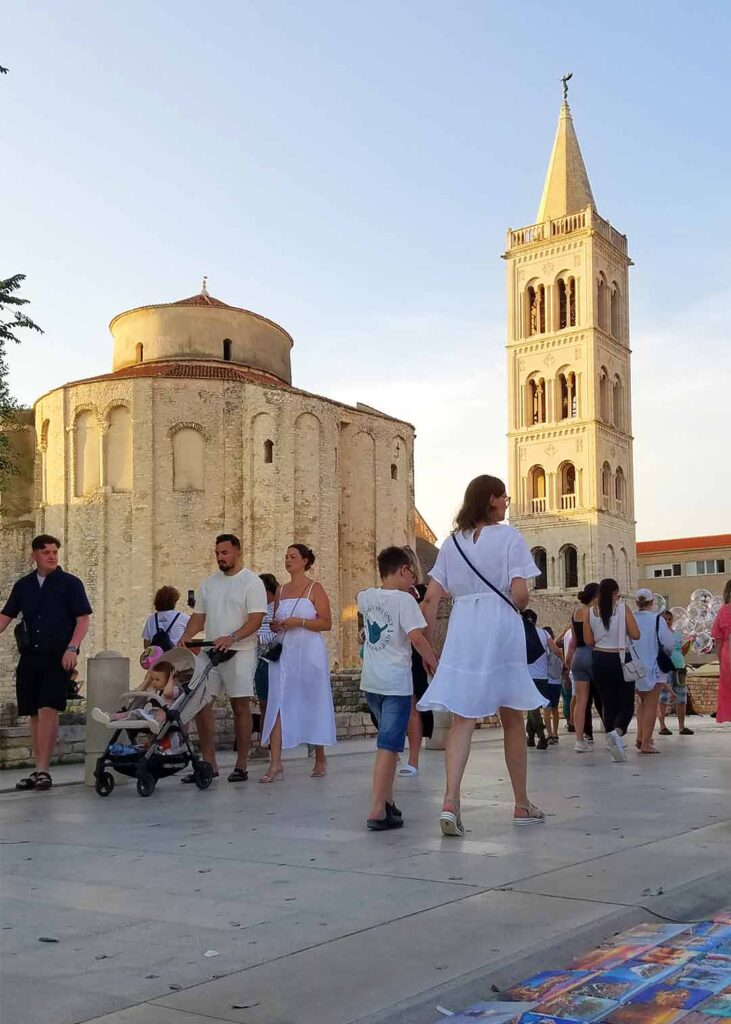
(607, 639)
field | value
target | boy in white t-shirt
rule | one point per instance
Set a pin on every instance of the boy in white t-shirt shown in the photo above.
(392, 623)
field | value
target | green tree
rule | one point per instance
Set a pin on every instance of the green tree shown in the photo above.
(12, 319)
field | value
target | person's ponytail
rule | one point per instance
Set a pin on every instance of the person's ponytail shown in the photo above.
(607, 589)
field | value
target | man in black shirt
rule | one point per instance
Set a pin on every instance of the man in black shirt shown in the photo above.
(55, 612)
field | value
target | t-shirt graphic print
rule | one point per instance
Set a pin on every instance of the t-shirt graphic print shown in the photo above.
(388, 617)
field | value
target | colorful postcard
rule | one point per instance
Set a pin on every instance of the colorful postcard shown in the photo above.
(700, 1018)
(717, 1006)
(647, 970)
(723, 916)
(714, 959)
(492, 1012)
(682, 997)
(668, 955)
(574, 1005)
(645, 1013)
(619, 985)
(653, 933)
(544, 985)
(706, 978)
(611, 956)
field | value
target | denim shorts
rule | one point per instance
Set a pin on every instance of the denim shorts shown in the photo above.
(550, 690)
(392, 714)
(581, 665)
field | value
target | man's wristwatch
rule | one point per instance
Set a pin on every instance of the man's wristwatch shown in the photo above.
(74, 650)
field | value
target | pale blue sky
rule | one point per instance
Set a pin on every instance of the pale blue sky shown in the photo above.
(349, 170)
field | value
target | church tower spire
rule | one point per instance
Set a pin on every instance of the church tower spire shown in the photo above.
(569, 385)
(567, 187)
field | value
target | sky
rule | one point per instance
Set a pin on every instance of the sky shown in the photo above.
(349, 169)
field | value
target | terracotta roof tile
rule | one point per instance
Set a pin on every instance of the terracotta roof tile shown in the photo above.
(203, 300)
(188, 371)
(650, 547)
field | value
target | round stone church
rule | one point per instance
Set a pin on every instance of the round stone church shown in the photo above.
(196, 431)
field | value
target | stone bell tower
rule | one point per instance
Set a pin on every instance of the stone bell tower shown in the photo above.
(569, 385)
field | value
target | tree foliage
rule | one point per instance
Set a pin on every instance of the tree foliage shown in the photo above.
(12, 319)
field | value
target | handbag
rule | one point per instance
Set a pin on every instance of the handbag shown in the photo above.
(534, 648)
(664, 661)
(632, 667)
(273, 650)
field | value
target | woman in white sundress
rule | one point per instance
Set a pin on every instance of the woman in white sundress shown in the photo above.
(483, 669)
(300, 706)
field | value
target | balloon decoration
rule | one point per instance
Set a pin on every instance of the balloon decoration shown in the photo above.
(696, 621)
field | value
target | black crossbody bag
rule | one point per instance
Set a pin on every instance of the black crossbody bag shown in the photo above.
(664, 661)
(534, 649)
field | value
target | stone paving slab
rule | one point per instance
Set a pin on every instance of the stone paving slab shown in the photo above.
(304, 907)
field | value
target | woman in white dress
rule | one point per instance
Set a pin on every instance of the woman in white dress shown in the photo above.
(300, 706)
(483, 669)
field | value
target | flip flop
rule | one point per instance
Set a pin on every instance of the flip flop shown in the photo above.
(407, 771)
(319, 773)
(534, 815)
(29, 782)
(449, 822)
(188, 780)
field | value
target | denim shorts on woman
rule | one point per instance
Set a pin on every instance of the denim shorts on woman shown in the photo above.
(391, 712)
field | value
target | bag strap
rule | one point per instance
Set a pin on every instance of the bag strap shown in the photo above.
(622, 631)
(166, 631)
(485, 581)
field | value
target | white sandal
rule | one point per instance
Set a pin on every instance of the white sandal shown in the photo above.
(534, 815)
(407, 771)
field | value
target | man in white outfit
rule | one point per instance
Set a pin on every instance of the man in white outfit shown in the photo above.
(231, 606)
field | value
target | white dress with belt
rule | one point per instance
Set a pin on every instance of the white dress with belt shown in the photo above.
(483, 665)
(299, 683)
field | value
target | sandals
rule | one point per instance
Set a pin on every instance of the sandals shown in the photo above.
(271, 776)
(533, 816)
(407, 771)
(29, 782)
(319, 772)
(43, 780)
(238, 775)
(450, 822)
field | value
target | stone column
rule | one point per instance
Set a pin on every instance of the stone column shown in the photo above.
(107, 679)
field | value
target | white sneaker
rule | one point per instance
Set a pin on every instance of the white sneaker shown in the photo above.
(580, 747)
(615, 746)
(100, 716)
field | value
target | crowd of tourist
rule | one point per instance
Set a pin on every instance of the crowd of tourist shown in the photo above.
(496, 660)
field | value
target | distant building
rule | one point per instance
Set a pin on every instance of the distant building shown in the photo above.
(675, 568)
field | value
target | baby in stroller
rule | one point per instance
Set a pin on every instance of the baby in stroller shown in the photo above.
(158, 690)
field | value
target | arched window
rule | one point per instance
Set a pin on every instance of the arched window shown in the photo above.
(86, 454)
(619, 491)
(119, 449)
(563, 313)
(531, 311)
(139, 352)
(605, 388)
(572, 301)
(539, 557)
(269, 451)
(227, 346)
(568, 486)
(611, 562)
(567, 391)
(537, 487)
(536, 395)
(614, 306)
(606, 484)
(601, 302)
(43, 449)
(618, 402)
(541, 299)
(189, 457)
(570, 561)
(394, 471)
(624, 581)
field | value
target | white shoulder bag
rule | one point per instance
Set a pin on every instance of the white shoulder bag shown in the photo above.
(632, 669)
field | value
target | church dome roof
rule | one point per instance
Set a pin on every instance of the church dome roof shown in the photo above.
(201, 327)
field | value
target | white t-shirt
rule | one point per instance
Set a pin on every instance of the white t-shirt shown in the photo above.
(227, 602)
(164, 620)
(388, 617)
(539, 668)
(500, 553)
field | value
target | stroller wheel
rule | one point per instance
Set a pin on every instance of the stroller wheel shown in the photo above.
(146, 784)
(104, 783)
(202, 774)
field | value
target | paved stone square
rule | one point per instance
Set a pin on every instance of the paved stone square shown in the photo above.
(311, 918)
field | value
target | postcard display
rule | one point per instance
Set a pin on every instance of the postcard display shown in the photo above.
(655, 973)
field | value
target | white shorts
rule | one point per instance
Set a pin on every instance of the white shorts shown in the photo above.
(234, 678)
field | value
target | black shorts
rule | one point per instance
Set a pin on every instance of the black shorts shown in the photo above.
(41, 682)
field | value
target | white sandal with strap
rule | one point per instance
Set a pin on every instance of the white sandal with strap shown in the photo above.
(534, 815)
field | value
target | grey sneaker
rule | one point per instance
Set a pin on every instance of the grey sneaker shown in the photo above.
(615, 746)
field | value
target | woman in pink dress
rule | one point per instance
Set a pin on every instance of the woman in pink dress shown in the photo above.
(721, 633)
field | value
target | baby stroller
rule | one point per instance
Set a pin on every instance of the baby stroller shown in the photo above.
(152, 762)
